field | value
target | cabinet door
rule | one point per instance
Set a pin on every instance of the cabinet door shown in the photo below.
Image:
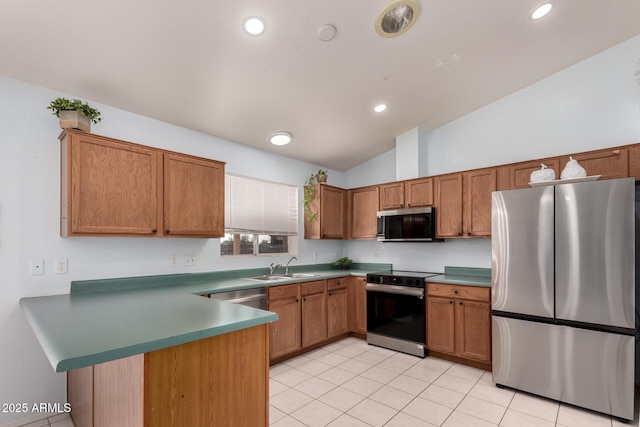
(419, 192)
(357, 300)
(108, 187)
(193, 196)
(337, 312)
(448, 190)
(441, 324)
(314, 319)
(634, 161)
(520, 173)
(477, 209)
(284, 333)
(332, 212)
(364, 207)
(473, 330)
(610, 164)
(392, 196)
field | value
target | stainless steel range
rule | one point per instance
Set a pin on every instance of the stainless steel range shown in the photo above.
(396, 311)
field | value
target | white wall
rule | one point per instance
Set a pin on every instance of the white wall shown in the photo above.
(590, 105)
(29, 225)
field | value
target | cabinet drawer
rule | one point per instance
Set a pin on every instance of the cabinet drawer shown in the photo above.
(282, 292)
(316, 287)
(336, 283)
(459, 291)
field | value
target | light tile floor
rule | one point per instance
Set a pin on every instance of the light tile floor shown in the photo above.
(352, 384)
(59, 420)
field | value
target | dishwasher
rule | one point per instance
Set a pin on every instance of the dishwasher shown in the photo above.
(256, 298)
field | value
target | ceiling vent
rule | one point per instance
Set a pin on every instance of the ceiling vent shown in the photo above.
(397, 17)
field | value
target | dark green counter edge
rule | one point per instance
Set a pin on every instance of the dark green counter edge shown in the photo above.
(148, 282)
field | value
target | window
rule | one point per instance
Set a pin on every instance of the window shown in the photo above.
(260, 217)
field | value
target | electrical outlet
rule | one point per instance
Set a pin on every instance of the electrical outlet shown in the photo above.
(174, 261)
(190, 260)
(61, 266)
(37, 267)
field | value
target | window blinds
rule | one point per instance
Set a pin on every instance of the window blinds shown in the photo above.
(260, 207)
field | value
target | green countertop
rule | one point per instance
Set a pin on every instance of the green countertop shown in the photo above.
(104, 320)
(464, 276)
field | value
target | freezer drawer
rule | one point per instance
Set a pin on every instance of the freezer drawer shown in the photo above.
(591, 369)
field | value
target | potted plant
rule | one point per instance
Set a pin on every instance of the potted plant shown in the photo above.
(74, 114)
(309, 192)
(321, 176)
(343, 263)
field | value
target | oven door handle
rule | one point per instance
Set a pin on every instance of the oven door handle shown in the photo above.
(393, 289)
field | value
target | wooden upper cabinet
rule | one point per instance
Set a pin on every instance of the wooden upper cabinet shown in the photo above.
(448, 203)
(363, 204)
(610, 164)
(392, 196)
(413, 193)
(477, 208)
(193, 196)
(116, 188)
(107, 187)
(418, 192)
(520, 173)
(634, 161)
(330, 204)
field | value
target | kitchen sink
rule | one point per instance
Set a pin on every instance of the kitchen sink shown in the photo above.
(297, 275)
(269, 277)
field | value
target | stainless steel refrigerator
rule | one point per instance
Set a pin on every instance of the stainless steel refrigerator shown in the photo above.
(563, 293)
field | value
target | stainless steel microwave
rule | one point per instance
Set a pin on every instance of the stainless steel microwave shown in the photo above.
(407, 225)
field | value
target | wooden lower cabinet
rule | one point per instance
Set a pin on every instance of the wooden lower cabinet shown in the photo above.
(337, 303)
(357, 300)
(314, 312)
(284, 333)
(459, 322)
(218, 381)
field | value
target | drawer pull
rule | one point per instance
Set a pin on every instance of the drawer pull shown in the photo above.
(455, 292)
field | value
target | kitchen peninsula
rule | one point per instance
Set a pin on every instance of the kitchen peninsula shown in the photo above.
(149, 351)
(156, 357)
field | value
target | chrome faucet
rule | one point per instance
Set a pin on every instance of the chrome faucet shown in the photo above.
(286, 269)
(273, 268)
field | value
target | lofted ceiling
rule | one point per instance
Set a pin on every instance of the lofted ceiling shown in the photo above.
(191, 64)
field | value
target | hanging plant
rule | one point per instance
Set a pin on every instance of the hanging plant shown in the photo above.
(309, 192)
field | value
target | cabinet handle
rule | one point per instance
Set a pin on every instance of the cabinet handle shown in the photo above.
(455, 292)
(329, 293)
(450, 302)
(154, 231)
(304, 299)
(297, 300)
(167, 231)
(460, 303)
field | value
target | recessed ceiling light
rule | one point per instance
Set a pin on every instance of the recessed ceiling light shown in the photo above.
(280, 138)
(541, 11)
(380, 108)
(397, 17)
(253, 25)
